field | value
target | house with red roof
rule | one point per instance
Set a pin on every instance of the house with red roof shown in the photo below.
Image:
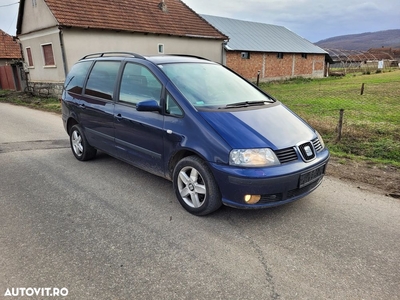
(9, 49)
(55, 34)
(10, 60)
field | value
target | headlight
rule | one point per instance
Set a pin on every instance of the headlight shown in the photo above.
(320, 139)
(263, 157)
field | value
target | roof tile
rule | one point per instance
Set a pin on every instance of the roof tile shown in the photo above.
(8, 47)
(133, 16)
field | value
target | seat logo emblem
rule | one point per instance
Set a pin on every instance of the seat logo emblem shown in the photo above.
(308, 151)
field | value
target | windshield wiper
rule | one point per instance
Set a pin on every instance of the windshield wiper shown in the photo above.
(245, 104)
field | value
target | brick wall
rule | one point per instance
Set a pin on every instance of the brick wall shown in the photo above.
(248, 68)
(271, 67)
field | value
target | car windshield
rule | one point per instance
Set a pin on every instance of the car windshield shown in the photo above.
(212, 85)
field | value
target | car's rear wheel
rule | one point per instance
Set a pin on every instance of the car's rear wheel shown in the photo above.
(195, 186)
(79, 145)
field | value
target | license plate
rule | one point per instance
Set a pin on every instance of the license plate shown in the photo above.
(311, 176)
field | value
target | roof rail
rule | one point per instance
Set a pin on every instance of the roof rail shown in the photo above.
(102, 54)
(188, 55)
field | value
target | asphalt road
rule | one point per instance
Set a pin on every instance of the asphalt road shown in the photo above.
(106, 230)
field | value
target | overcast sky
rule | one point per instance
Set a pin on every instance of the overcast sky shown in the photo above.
(312, 19)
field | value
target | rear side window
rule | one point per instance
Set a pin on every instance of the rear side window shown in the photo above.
(138, 84)
(76, 77)
(102, 78)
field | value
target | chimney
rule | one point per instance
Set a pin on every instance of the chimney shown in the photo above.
(163, 6)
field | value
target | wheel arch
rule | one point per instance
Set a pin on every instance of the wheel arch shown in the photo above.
(71, 122)
(177, 157)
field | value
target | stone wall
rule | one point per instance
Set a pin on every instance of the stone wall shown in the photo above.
(44, 89)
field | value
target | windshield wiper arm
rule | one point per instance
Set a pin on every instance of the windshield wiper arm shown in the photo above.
(245, 104)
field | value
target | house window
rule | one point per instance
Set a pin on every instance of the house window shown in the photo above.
(29, 56)
(304, 55)
(48, 55)
(160, 48)
(245, 55)
(279, 55)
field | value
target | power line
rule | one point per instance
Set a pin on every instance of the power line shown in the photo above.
(9, 4)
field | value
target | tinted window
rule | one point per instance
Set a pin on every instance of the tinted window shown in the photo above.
(102, 79)
(138, 84)
(76, 77)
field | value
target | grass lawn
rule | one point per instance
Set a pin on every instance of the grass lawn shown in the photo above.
(371, 128)
(25, 99)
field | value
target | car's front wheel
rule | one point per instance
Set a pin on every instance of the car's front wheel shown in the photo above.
(195, 186)
(79, 145)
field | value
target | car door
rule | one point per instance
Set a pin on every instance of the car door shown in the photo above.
(139, 134)
(97, 105)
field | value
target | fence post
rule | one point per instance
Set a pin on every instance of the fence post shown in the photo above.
(362, 89)
(258, 78)
(340, 125)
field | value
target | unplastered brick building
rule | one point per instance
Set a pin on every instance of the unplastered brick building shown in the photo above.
(274, 52)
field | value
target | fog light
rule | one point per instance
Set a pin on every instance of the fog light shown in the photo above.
(252, 199)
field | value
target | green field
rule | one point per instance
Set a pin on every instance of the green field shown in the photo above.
(371, 128)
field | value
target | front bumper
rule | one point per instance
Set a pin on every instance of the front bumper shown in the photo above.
(276, 185)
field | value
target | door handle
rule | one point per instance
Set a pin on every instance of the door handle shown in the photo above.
(83, 106)
(118, 117)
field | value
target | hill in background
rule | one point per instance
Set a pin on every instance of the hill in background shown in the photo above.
(363, 41)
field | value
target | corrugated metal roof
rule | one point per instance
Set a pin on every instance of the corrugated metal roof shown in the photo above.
(260, 37)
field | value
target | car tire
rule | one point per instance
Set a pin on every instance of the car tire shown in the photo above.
(79, 145)
(195, 186)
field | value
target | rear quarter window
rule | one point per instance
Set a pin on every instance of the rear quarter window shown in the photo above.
(76, 77)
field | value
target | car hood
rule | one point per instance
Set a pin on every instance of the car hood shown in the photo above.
(273, 126)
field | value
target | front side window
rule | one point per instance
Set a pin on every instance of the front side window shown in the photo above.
(76, 77)
(211, 85)
(102, 79)
(48, 55)
(138, 84)
(172, 108)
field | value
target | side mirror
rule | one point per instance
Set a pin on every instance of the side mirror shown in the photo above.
(148, 105)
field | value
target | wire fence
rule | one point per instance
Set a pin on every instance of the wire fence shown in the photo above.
(359, 115)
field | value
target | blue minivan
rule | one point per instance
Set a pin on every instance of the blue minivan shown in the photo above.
(216, 136)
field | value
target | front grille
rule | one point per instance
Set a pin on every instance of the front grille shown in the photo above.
(306, 151)
(270, 198)
(317, 145)
(286, 155)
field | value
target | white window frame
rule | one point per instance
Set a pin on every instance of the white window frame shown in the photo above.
(44, 58)
(160, 46)
(27, 57)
